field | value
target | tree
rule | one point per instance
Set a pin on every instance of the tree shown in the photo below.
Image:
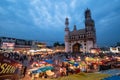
(62, 44)
(118, 44)
(56, 44)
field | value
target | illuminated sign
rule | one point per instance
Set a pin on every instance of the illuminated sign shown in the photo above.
(6, 68)
(9, 69)
(6, 45)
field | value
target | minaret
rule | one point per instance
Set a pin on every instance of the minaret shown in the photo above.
(87, 14)
(89, 25)
(90, 30)
(89, 22)
(74, 29)
(67, 35)
(66, 24)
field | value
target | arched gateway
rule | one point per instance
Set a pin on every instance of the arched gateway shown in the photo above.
(76, 47)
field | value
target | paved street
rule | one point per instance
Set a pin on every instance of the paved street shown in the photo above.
(111, 72)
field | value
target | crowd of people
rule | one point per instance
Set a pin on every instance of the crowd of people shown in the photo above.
(63, 64)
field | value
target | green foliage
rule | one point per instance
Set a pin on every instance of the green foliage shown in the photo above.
(58, 44)
(118, 44)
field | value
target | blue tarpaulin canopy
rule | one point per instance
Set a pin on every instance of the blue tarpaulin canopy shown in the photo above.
(49, 61)
(76, 64)
(42, 69)
(71, 62)
(65, 60)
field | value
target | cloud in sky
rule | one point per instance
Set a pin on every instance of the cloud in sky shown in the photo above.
(44, 19)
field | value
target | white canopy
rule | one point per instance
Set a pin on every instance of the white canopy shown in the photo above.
(42, 50)
(45, 49)
(32, 51)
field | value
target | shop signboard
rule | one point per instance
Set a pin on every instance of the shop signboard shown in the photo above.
(6, 45)
(9, 69)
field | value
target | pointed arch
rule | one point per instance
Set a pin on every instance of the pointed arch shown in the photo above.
(76, 47)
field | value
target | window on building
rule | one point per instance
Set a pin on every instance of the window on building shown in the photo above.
(118, 49)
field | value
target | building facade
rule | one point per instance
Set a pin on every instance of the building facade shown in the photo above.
(81, 40)
(8, 43)
(115, 49)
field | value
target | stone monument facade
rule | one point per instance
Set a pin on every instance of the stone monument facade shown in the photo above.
(81, 40)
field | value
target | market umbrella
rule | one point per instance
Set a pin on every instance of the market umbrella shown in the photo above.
(76, 64)
(35, 64)
(65, 60)
(42, 62)
(71, 62)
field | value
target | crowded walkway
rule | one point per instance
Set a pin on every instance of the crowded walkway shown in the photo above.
(59, 64)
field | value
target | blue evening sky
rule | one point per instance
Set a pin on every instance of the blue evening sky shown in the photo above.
(43, 20)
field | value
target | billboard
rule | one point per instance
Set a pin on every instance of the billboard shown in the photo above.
(9, 69)
(6, 45)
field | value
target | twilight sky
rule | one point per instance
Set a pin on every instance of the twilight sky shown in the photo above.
(43, 20)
